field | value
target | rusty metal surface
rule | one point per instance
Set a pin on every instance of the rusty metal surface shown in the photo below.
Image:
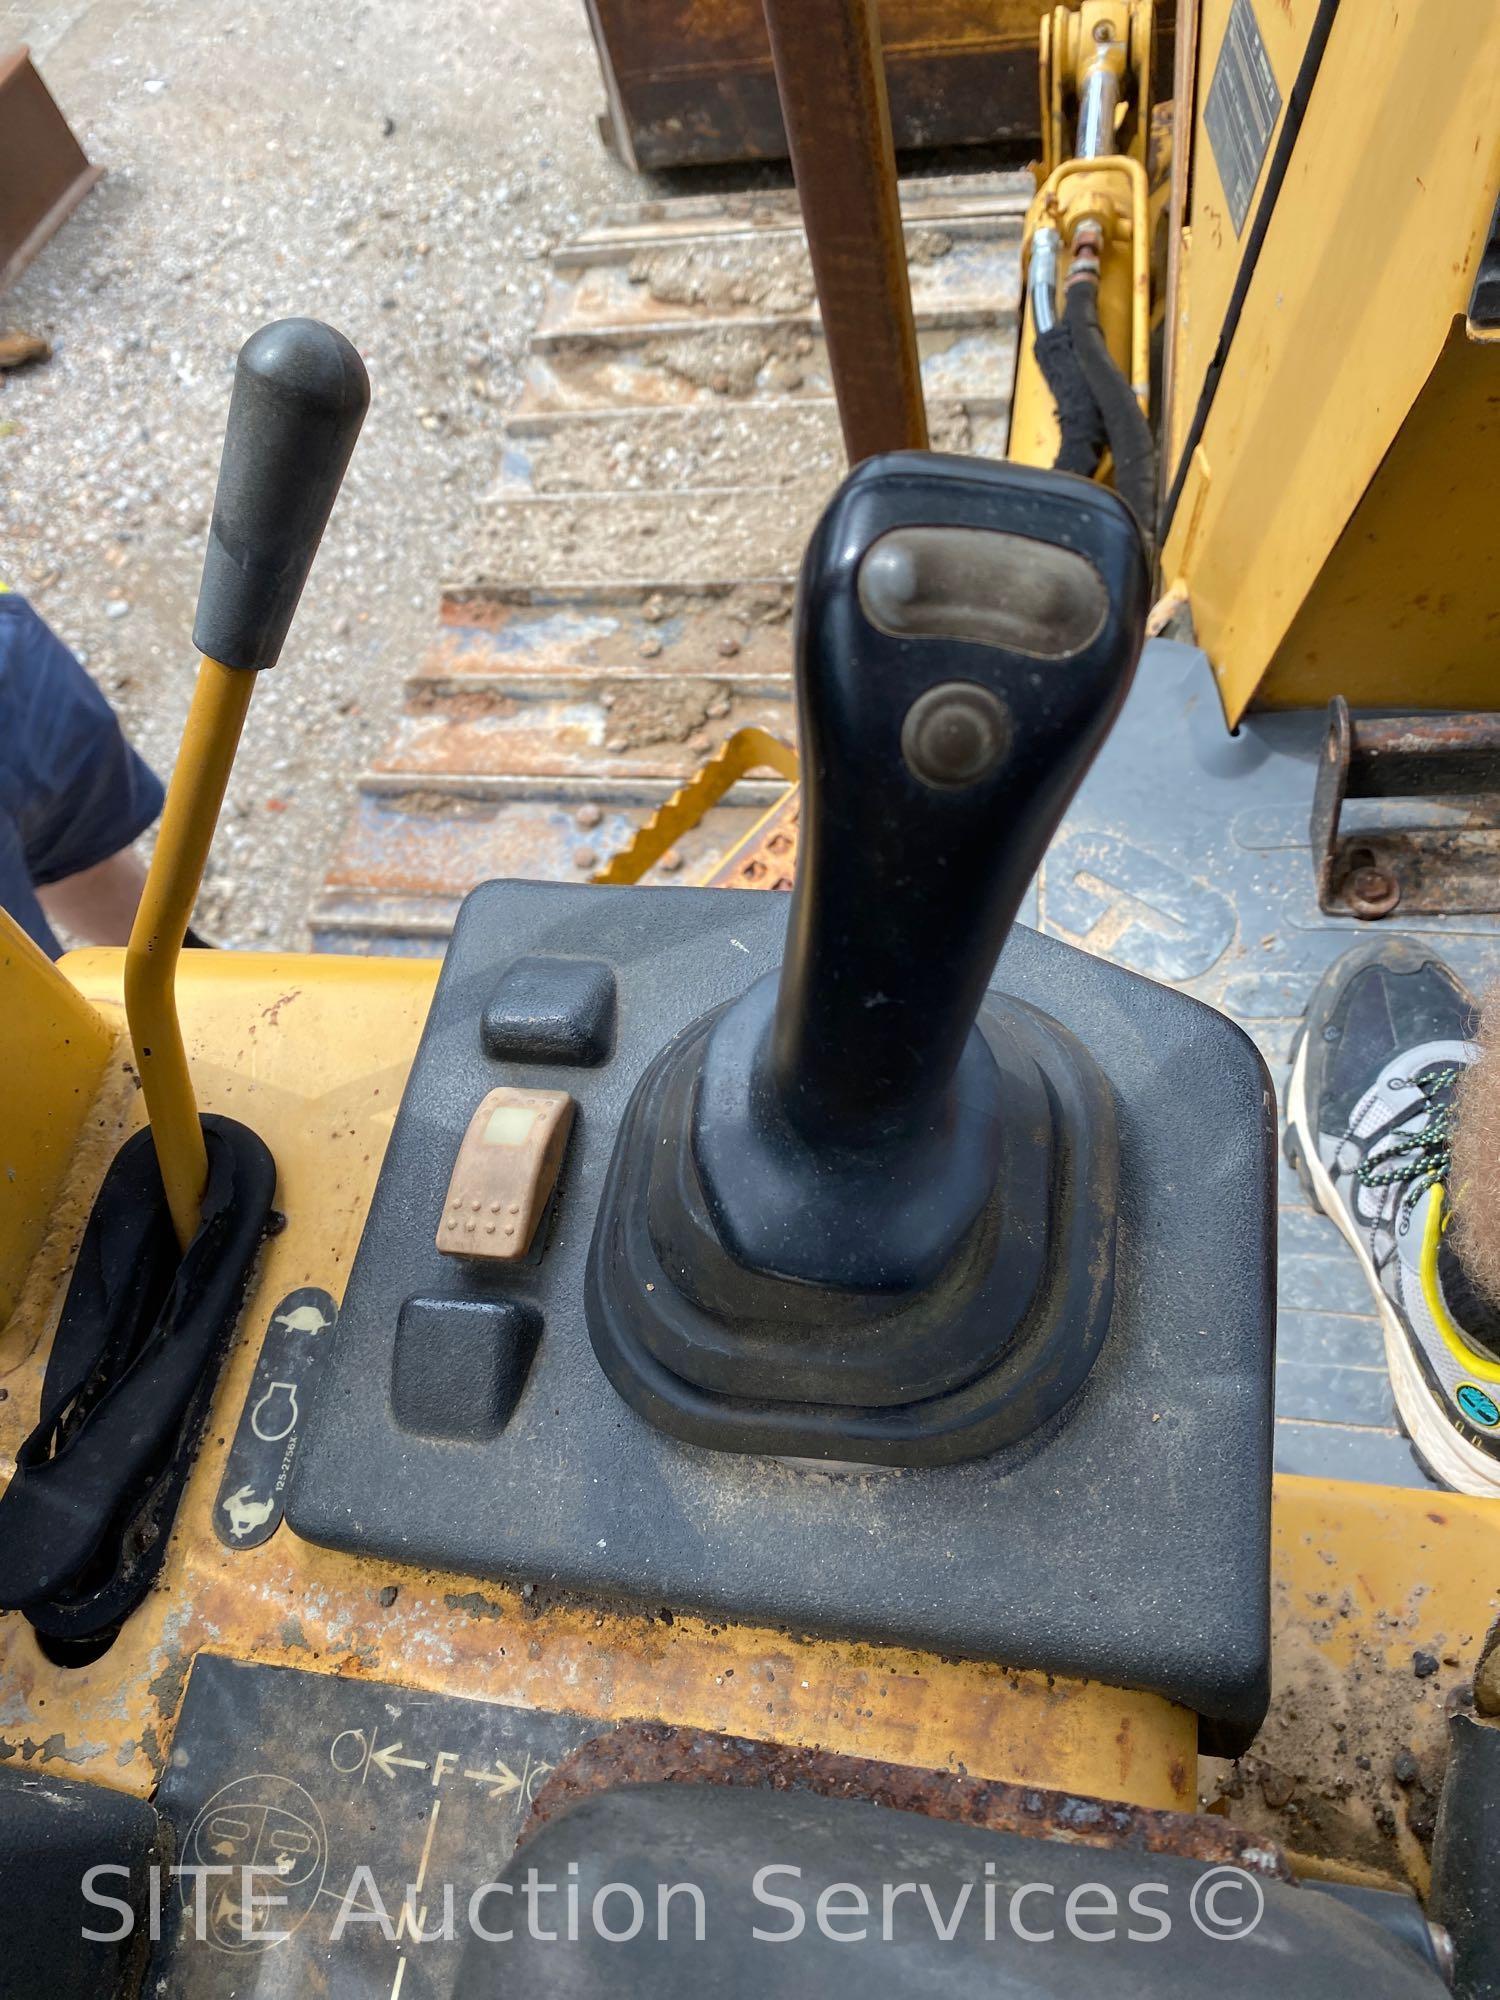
(44, 172)
(831, 81)
(952, 201)
(654, 728)
(766, 279)
(1398, 756)
(409, 856)
(709, 367)
(654, 1753)
(767, 857)
(659, 841)
(1429, 857)
(625, 606)
(691, 84)
(1382, 1599)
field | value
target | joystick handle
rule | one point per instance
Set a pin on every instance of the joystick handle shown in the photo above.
(867, 1210)
(967, 632)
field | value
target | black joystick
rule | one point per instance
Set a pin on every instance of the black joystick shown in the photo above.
(866, 1211)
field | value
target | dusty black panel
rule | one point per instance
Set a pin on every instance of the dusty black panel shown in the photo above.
(350, 1794)
(794, 1900)
(1129, 1542)
(1463, 1856)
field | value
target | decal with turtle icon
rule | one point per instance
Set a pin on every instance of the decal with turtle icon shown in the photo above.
(307, 1318)
(252, 1493)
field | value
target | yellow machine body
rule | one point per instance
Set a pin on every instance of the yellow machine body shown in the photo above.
(1334, 527)
(56, 1048)
(1335, 534)
(313, 1052)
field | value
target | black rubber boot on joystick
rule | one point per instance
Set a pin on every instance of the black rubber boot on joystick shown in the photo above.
(866, 1211)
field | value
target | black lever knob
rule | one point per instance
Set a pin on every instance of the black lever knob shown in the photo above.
(967, 633)
(299, 399)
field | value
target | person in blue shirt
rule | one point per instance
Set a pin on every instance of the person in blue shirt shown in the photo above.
(74, 795)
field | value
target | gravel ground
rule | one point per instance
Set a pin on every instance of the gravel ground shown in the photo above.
(401, 170)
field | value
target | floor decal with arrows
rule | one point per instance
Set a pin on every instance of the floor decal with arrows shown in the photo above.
(336, 1835)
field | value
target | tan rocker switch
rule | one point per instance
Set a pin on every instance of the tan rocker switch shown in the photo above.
(505, 1171)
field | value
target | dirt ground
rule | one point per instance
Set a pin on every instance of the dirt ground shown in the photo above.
(401, 170)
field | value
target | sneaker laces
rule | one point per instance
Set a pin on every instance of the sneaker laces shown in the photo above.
(1418, 1157)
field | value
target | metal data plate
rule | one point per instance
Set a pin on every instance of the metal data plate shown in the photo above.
(1243, 106)
(1186, 857)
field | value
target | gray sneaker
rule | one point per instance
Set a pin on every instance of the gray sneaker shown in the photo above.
(1385, 1039)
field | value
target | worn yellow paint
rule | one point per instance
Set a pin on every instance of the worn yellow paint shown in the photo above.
(313, 1053)
(1422, 1568)
(1363, 1578)
(1407, 607)
(56, 1046)
(1369, 259)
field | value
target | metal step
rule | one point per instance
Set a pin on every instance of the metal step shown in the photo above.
(625, 605)
(770, 360)
(754, 281)
(636, 727)
(722, 444)
(633, 226)
(513, 632)
(413, 851)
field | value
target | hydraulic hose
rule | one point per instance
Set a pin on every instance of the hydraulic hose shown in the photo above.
(1080, 423)
(1125, 425)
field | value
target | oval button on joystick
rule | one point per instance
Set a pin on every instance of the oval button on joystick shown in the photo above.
(955, 734)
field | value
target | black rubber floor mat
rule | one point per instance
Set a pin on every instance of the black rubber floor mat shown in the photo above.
(1186, 857)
